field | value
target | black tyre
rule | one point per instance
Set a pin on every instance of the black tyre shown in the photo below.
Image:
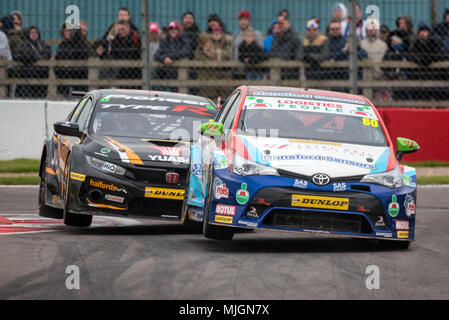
(72, 219)
(44, 210)
(213, 231)
(185, 214)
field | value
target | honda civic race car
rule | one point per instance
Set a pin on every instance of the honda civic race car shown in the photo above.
(301, 160)
(121, 153)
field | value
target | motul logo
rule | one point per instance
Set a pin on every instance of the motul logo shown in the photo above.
(224, 209)
(172, 177)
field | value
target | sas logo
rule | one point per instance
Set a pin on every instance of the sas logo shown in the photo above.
(162, 193)
(225, 209)
(301, 184)
(224, 219)
(339, 187)
(320, 202)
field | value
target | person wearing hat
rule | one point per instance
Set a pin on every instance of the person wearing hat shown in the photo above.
(172, 48)
(360, 24)
(442, 28)
(191, 31)
(315, 49)
(424, 51)
(286, 46)
(29, 51)
(17, 34)
(153, 44)
(244, 20)
(374, 46)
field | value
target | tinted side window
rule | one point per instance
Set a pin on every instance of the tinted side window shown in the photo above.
(229, 117)
(78, 108)
(84, 114)
(227, 104)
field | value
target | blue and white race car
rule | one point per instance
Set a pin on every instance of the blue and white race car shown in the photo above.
(301, 160)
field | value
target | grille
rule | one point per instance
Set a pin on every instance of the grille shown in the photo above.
(320, 221)
(157, 175)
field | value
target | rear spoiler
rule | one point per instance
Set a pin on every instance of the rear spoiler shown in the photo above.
(78, 93)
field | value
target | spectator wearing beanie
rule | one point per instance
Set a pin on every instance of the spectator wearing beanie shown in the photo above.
(154, 34)
(374, 46)
(191, 31)
(315, 49)
(250, 53)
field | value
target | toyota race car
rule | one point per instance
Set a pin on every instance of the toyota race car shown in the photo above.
(121, 153)
(301, 160)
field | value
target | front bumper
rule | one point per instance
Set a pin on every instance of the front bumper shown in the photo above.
(354, 209)
(95, 192)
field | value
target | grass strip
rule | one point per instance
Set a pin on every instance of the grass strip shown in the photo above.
(19, 181)
(19, 165)
(427, 164)
(433, 180)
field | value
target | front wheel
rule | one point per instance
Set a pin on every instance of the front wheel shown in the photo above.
(72, 219)
(44, 210)
(212, 231)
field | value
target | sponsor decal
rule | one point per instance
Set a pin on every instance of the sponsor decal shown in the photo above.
(224, 219)
(197, 170)
(149, 98)
(109, 167)
(100, 184)
(380, 222)
(402, 234)
(242, 195)
(252, 213)
(105, 150)
(248, 224)
(134, 107)
(221, 163)
(409, 182)
(301, 184)
(168, 151)
(321, 179)
(403, 225)
(77, 176)
(225, 209)
(172, 177)
(393, 206)
(220, 189)
(384, 234)
(409, 204)
(320, 202)
(113, 198)
(168, 158)
(304, 96)
(339, 186)
(266, 157)
(164, 193)
(363, 209)
(262, 201)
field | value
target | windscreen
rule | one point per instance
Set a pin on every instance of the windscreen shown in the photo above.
(152, 118)
(311, 119)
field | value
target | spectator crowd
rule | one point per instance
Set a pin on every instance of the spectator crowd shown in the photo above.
(422, 44)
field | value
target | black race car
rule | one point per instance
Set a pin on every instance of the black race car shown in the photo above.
(121, 153)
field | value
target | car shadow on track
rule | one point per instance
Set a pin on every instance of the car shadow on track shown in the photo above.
(137, 230)
(291, 245)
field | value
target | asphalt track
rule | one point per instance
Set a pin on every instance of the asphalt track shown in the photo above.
(129, 259)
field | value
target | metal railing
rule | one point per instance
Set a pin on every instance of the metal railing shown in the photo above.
(183, 82)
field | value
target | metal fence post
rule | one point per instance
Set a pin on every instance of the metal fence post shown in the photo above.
(145, 43)
(352, 39)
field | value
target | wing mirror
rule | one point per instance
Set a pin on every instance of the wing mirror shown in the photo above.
(68, 129)
(213, 129)
(404, 146)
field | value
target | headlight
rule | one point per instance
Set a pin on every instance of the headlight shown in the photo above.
(245, 167)
(390, 179)
(105, 166)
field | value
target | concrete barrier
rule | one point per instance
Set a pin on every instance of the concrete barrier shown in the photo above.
(24, 124)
